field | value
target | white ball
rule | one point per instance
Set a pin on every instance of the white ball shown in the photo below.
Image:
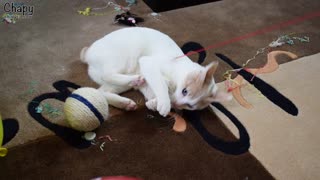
(86, 109)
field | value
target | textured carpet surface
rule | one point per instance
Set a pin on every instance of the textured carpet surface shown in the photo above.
(143, 147)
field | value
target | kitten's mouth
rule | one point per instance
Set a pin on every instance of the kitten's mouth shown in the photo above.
(176, 106)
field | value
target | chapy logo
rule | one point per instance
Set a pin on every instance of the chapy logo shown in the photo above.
(18, 7)
(16, 10)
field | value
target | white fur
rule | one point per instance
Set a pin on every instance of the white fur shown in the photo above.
(125, 58)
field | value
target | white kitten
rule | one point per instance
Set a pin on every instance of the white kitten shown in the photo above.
(145, 59)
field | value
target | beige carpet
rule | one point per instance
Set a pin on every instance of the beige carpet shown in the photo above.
(287, 146)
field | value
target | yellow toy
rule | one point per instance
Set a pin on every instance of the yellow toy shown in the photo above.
(3, 151)
(86, 11)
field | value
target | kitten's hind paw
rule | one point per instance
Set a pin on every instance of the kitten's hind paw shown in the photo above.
(137, 82)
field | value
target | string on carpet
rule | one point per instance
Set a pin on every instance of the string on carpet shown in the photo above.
(271, 66)
(155, 16)
(118, 8)
(31, 89)
(91, 136)
(280, 41)
(47, 108)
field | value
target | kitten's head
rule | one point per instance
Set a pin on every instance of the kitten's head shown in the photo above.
(198, 90)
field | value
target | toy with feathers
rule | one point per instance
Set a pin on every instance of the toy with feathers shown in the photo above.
(128, 19)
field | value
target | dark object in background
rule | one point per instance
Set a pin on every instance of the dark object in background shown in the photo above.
(167, 5)
(10, 129)
(128, 19)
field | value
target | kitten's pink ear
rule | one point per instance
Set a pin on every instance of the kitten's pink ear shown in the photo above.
(221, 97)
(210, 70)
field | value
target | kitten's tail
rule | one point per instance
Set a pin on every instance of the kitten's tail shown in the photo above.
(83, 54)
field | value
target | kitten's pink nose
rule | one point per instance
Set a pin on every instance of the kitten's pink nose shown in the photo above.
(175, 104)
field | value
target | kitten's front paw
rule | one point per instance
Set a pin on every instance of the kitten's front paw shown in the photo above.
(164, 107)
(152, 104)
(130, 106)
(137, 82)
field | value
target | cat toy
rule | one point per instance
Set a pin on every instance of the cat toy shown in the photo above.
(125, 18)
(128, 19)
(86, 109)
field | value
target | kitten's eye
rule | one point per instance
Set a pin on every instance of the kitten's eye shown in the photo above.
(184, 92)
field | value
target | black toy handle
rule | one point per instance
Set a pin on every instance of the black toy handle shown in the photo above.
(229, 147)
(71, 136)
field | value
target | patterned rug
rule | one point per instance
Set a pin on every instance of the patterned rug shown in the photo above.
(40, 61)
